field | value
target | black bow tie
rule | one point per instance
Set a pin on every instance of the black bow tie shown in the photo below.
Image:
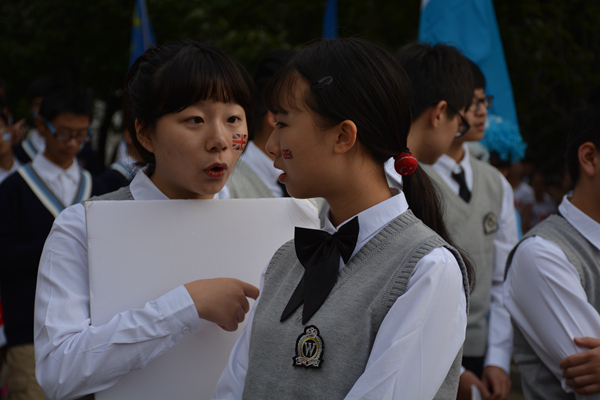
(319, 253)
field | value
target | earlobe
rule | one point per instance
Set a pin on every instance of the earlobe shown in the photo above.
(144, 137)
(437, 113)
(41, 126)
(346, 136)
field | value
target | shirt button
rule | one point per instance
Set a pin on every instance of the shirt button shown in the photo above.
(185, 330)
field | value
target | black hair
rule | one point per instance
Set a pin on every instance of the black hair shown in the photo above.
(172, 77)
(3, 104)
(479, 81)
(586, 128)
(43, 85)
(352, 79)
(267, 67)
(66, 99)
(437, 73)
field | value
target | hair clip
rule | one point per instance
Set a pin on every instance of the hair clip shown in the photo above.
(405, 163)
(321, 83)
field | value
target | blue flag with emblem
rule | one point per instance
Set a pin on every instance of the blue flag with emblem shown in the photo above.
(142, 35)
(471, 26)
(330, 21)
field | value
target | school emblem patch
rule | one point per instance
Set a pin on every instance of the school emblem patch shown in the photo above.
(309, 348)
(490, 223)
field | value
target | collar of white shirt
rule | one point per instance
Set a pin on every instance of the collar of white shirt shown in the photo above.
(374, 219)
(446, 165)
(142, 188)
(262, 165)
(50, 172)
(589, 228)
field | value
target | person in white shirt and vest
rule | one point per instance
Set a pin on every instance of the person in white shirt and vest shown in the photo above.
(481, 218)
(552, 287)
(30, 200)
(375, 304)
(254, 175)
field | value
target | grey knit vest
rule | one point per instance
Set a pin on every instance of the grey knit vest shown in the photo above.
(538, 380)
(472, 226)
(244, 183)
(347, 322)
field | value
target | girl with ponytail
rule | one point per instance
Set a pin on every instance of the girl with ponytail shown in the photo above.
(375, 304)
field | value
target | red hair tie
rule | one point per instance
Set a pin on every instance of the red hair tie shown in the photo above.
(405, 163)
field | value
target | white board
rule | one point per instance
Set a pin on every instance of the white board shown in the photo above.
(140, 250)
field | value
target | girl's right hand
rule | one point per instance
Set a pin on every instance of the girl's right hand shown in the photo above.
(222, 300)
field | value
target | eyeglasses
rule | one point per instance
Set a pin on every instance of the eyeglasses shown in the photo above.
(486, 101)
(464, 126)
(64, 137)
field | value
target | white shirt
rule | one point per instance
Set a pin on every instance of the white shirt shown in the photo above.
(544, 296)
(499, 349)
(418, 339)
(74, 358)
(62, 182)
(262, 165)
(4, 173)
(38, 141)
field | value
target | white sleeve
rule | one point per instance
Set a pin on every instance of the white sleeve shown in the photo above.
(499, 349)
(73, 357)
(420, 336)
(231, 382)
(545, 298)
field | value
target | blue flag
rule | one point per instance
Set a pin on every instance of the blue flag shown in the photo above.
(330, 20)
(471, 26)
(142, 35)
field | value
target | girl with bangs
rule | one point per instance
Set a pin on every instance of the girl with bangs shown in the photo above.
(375, 304)
(184, 103)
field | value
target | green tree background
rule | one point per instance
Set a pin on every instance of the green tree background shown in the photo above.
(552, 47)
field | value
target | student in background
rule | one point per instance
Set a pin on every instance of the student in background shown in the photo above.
(254, 175)
(552, 278)
(30, 200)
(480, 216)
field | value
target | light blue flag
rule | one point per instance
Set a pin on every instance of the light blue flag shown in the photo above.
(142, 35)
(330, 20)
(471, 26)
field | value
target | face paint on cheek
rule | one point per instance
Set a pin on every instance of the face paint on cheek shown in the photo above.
(287, 154)
(239, 141)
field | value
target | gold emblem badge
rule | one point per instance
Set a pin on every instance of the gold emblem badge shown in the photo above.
(309, 348)
(490, 223)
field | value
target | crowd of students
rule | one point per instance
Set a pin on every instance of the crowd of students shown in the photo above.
(418, 285)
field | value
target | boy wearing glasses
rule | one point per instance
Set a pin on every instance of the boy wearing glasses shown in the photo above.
(30, 199)
(481, 218)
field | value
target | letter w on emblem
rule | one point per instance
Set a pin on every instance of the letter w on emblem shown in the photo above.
(309, 349)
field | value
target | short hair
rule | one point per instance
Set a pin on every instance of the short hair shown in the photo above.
(437, 73)
(479, 81)
(43, 85)
(66, 99)
(585, 129)
(169, 78)
(267, 67)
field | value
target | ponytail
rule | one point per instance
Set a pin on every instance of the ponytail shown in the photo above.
(425, 202)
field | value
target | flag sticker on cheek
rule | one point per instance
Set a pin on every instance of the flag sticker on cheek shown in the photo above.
(239, 141)
(287, 154)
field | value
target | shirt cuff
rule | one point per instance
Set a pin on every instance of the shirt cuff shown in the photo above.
(498, 358)
(180, 313)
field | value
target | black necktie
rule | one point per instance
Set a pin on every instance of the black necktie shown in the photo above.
(464, 191)
(282, 186)
(319, 253)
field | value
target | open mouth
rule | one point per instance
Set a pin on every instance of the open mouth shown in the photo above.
(216, 170)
